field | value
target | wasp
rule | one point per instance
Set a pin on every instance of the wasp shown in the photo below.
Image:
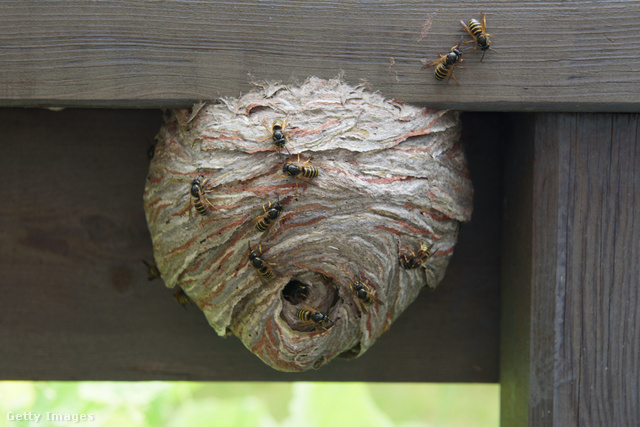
(151, 151)
(262, 266)
(417, 260)
(325, 277)
(299, 170)
(313, 316)
(365, 294)
(295, 292)
(265, 221)
(278, 134)
(446, 64)
(478, 32)
(197, 196)
(152, 270)
(182, 298)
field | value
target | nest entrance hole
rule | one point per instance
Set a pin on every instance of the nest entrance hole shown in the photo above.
(295, 292)
(313, 296)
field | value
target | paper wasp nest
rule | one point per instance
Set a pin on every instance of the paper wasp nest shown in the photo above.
(390, 178)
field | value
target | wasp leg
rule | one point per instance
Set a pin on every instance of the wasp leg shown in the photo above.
(285, 147)
(286, 122)
(210, 204)
(442, 59)
(453, 75)
(269, 129)
(449, 75)
(265, 259)
(301, 179)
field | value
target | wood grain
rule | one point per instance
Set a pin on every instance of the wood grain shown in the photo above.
(76, 303)
(548, 55)
(583, 346)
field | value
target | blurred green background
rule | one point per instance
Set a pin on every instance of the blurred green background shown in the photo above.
(299, 404)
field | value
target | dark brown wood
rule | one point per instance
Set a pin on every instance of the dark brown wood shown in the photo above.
(76, 303)
(515, 285)
(549, 55)
(584, 336)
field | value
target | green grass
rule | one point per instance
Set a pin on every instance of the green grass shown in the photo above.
(138, 404)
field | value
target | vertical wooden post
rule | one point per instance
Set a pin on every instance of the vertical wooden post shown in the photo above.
(572, 251)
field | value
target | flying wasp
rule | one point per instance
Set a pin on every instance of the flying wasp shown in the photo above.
(446, 64)
(302, 171)
(197, 197)
(261, 266)
(477, 31)
(278, 134)
(313, 316)
(416, 260)
(265, 221)
(365, 294)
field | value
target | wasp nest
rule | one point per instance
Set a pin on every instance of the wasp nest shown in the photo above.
(304, 220)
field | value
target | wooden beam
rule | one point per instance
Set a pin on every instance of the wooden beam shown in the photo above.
(76, 303)
(552, 56)
(580, 263)
(515, 284)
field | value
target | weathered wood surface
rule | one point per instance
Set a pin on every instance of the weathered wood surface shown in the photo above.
(572, 358)
(76, 303)
(549, 55)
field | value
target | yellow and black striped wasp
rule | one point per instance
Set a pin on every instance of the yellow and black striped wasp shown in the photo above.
(265, 221)
(197, 197)
(278, 134)
(446, 64)
(478, 31)
(262, 267)
(364, 293)
(303, 171)
(416, 260)
(314, 317)
(182, 298)
(295, 292)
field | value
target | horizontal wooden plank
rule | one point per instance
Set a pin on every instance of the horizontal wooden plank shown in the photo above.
(548, 55)
(76, 303)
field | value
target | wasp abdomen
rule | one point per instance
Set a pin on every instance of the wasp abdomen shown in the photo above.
(309, 172)
(199, 207)
(475, 27)
(442, 72)
(303, 315)
(262, 224)
(266, 272)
